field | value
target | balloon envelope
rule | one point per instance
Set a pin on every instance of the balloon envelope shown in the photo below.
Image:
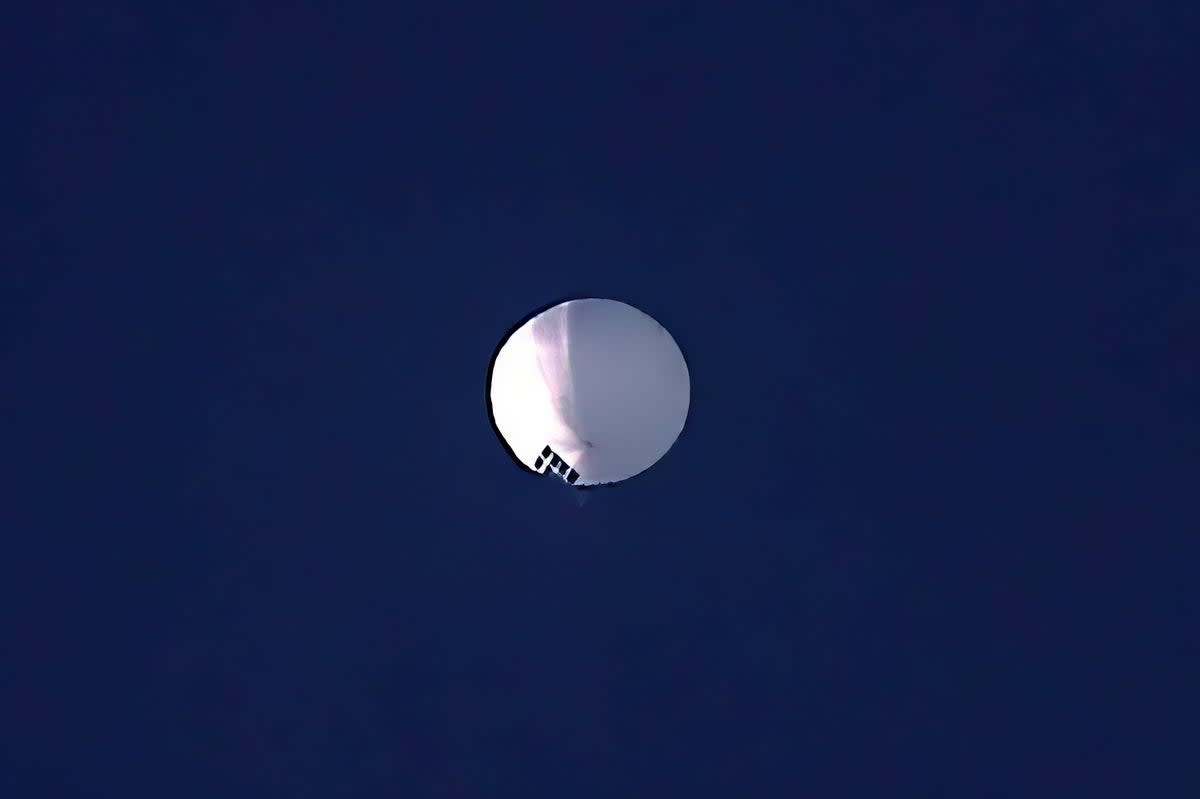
(593, 389)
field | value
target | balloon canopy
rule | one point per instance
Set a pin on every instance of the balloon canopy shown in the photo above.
(593, 390)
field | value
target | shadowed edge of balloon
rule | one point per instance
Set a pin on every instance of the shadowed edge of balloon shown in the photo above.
(487, 386)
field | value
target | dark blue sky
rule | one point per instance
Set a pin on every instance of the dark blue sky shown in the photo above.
(931, 530)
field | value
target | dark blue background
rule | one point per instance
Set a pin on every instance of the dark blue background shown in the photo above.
(931, 530)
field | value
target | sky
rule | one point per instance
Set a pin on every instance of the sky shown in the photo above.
(930, 529)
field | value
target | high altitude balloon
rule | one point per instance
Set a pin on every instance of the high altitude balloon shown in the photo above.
(593, 390)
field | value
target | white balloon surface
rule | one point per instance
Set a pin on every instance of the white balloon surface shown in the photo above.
(593, 389)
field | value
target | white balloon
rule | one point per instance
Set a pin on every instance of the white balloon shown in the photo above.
(593, 389)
